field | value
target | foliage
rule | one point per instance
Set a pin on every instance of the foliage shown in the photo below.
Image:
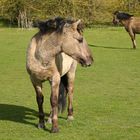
(25, 12)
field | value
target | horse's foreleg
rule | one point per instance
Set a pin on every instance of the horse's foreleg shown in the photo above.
(132, 35)
(70, 101)
(54, 102)
(134, 42)
(40, 99)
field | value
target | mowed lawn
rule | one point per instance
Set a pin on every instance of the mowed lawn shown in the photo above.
(106, 99)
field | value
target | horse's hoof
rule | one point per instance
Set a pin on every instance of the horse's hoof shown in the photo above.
(54, 130)
(70, 118)
(49, 120)
(41, 126)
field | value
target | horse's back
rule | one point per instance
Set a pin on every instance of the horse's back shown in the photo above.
(64, 63)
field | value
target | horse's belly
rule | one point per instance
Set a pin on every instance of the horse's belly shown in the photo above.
(63, 63)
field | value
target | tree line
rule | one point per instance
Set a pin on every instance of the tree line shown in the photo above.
(24, 13)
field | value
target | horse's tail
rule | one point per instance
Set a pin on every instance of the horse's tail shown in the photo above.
(62, 99)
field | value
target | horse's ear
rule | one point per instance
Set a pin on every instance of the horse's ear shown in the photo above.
(75, 24)
(116, 12)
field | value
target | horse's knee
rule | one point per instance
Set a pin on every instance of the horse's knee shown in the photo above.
(55, 81)
(39, 95)
(55, 88)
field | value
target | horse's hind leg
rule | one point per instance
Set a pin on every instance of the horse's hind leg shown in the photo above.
(70, 97)
(39, 98)
(50, 118)
(71, 77)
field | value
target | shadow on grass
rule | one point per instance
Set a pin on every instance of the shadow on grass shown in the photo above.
(18, 114)
(107, 47)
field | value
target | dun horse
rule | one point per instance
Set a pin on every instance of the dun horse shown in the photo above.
(52, 55)
(131, 24)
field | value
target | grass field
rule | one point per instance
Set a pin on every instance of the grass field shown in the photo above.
(107, 95)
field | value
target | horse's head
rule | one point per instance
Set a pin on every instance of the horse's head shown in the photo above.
(75, 45)
(115, 18)
(120, 16)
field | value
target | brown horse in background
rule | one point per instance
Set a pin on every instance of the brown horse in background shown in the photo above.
(52, 55)
(131, 24)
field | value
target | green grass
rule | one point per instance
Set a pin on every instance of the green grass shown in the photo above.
(107, 95)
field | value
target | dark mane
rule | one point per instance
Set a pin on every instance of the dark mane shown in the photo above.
(57, 24)
(122, 15)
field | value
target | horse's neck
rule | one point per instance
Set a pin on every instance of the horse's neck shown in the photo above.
(48, 47)
(53, 44)
(125, 23)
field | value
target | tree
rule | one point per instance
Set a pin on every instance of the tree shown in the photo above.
(24, 12)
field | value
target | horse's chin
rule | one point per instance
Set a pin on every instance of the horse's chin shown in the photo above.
(84, 64)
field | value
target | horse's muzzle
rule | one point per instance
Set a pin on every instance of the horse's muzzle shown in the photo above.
(115, 22)
(90, 61)
(87, 62)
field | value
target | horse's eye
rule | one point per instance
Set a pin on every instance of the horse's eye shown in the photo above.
(80, 39)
